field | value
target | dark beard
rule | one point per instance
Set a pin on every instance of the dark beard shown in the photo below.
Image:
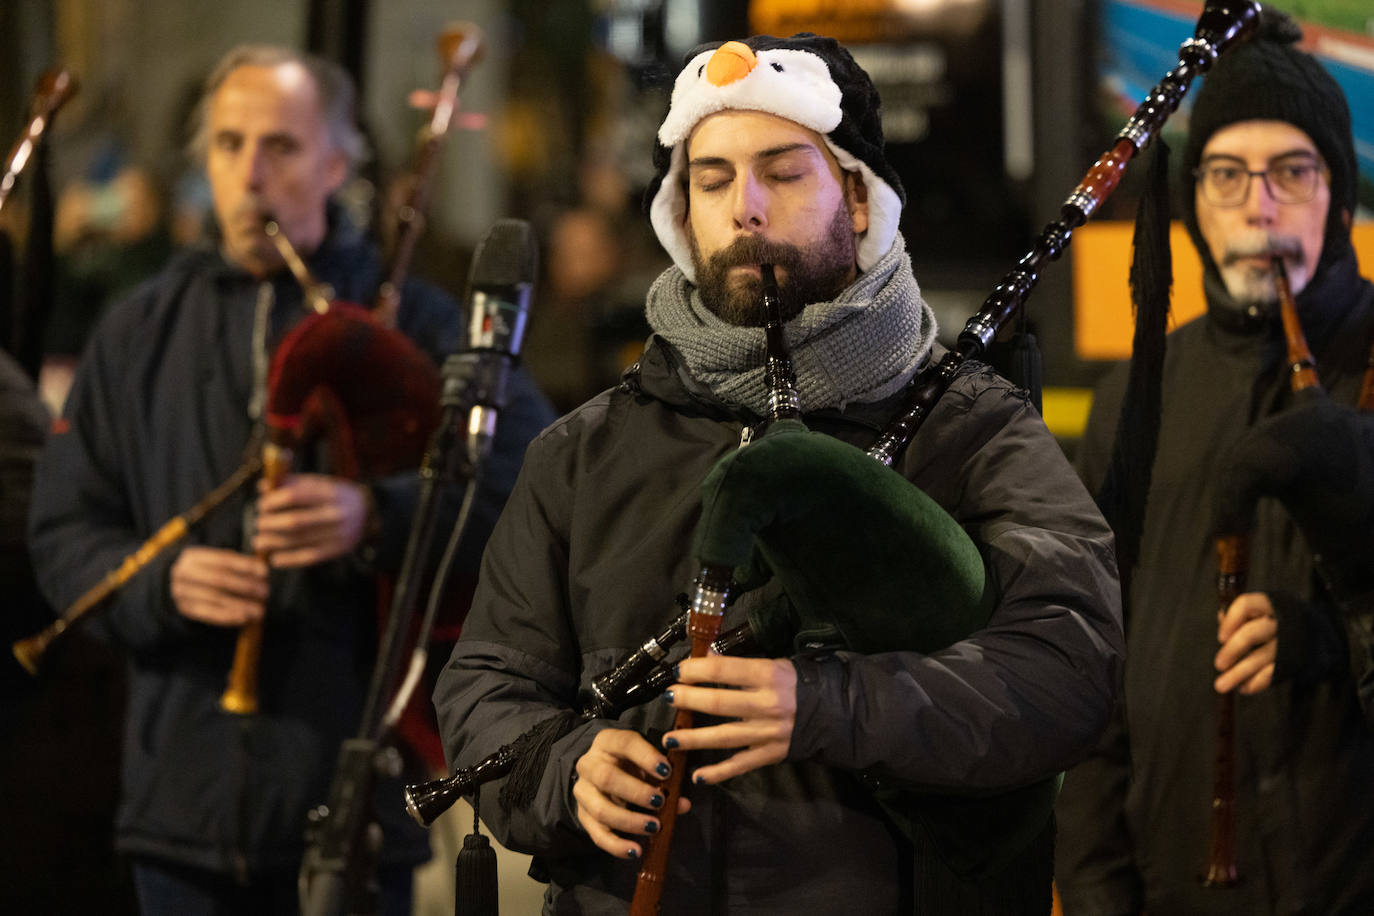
(817, 274)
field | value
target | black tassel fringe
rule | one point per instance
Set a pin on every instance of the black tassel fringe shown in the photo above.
(1123, 494)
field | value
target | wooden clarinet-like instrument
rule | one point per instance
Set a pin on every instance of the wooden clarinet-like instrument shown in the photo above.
(32, 650)
(317, 385)
(1232, 564)
(319, 297)
(1232, 553)
(712, 593)
(273, 460)
(1302, 368)
(241, 693)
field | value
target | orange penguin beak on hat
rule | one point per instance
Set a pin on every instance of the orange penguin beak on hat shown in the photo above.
(733, 61)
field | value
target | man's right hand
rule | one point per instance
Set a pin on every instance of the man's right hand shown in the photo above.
(1249, 638)
(219, 587)
(621, 769)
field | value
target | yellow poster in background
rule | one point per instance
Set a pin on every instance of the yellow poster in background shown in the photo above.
(1102, 319)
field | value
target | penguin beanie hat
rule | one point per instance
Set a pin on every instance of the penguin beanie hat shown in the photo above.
(808, 79)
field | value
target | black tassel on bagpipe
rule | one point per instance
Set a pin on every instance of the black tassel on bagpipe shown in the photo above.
(475, 873)
(1123, 494)
(1026, 369)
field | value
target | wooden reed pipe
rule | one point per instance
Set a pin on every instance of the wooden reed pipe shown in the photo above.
(712, 594)
(1232, 551)
(31, 652)
(241, 694)
(1301, 366)
(1221, 847)
(318, 296)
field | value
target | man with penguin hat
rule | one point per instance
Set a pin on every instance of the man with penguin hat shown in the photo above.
(772, 153)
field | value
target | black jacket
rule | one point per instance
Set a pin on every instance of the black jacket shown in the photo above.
(157, 416)
(585, 562)
(1134, 818)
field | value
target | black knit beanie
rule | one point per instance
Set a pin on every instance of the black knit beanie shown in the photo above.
(1268, 78)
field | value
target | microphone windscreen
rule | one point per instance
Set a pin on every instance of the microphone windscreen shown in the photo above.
(508, 255)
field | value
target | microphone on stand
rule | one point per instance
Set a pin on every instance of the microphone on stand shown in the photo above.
(500, 287)
(336, 866)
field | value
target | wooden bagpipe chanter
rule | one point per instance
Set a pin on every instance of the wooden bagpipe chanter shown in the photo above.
(746, 533)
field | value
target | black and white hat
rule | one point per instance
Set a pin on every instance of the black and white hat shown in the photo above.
(808, 79)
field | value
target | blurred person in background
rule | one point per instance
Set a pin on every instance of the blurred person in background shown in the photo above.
(169, 392)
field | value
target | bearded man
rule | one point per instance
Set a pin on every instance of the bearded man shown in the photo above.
(772, 152)
(1270, 172)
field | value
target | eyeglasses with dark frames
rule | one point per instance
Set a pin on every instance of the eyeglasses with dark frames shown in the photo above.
(1290, 179)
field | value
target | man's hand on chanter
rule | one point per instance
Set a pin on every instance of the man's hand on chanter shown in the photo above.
(217, 586)
(620, 770)
(311, 518)
(760, 694)
(1249, 637)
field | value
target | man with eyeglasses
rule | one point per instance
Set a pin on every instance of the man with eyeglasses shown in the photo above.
(1269, 171)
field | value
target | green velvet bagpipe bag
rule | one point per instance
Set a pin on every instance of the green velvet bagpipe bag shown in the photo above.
(869, 563)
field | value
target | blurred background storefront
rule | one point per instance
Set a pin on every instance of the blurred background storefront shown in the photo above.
(993, 111)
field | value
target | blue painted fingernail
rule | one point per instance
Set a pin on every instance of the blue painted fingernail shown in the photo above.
(677, 672)
(663, 769)
(632, 853)
(651, 826)
(656, 801)
(670, 742)
(668, 695)
(699, 779)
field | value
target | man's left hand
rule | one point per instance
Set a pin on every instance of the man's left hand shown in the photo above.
(310, 518)
(760, 694)
(1249, 637)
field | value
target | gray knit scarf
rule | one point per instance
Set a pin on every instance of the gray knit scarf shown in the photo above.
(862, 346)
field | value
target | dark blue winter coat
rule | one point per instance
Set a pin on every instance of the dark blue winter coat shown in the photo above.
(156, 418)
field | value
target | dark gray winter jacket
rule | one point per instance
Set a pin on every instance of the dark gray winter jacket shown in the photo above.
(584, 565)
(1134, 818)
